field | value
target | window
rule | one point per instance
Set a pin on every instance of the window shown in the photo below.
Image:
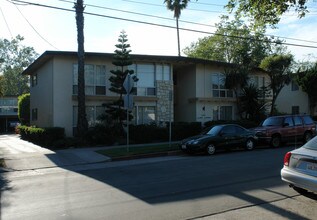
(295, 110)
(254, 80)
(289, 121)
(95, 79)
(92, 114)
(294, 86)
(298, 121)
(223, 113)
(144, 114)
(218, 86)
(34, 114)
(34, 80)
(146, 82)
(163, 72)
(308, 120)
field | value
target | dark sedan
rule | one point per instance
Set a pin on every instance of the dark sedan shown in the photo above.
(220, 137)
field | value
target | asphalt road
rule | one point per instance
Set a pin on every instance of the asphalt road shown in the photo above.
(234, 185)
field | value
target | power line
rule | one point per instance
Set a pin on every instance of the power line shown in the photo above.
(34, 28)
(182, 21)
(5, 20)
(160, 25)
(189, 9)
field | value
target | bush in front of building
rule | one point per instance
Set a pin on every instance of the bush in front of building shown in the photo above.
(181, 130)
(41, 136)
(24, 108)
(147, 133)
(102, 135)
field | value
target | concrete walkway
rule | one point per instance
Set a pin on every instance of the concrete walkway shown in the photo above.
(22, 155)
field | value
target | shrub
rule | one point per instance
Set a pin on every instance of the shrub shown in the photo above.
(24, 108)
(101, 134)
(41, 136)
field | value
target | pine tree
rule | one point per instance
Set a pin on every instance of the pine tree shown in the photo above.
(122, 61)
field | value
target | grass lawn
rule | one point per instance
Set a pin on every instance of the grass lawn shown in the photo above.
(139, 150)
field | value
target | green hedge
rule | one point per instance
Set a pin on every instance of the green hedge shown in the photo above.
(41, 136)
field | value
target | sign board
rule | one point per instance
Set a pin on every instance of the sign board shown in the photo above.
(128, 83)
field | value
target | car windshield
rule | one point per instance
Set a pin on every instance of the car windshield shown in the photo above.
(312, 144)
(213, 131)
(273, 122)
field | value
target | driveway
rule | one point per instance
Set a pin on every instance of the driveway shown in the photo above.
(22, 155)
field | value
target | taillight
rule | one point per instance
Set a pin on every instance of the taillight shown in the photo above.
(287, 157)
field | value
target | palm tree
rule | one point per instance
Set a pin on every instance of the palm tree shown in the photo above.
(82, 124)
(177, 6)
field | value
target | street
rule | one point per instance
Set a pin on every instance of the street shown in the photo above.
(231, 185)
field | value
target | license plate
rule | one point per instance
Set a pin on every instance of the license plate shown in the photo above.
(311, 166)
(183, 146)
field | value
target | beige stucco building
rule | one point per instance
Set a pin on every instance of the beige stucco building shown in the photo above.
(292, 100)
(169, 88)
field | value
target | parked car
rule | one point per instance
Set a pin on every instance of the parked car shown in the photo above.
(278, 129)
(300, 167)
(220, 137)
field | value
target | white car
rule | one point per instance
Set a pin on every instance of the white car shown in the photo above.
(300, 167)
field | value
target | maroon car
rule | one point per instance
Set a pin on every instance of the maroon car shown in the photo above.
(278, 129)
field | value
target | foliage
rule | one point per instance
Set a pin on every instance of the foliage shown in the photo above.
(101, 134)
(24, 109)
(251, 104)
(122, 61)
(82, 123)
(148, 133)
(14, 58)
(41, 136)
(307, 79)
(262, 13)
(278, 68)
(177, 6)
(234, 42)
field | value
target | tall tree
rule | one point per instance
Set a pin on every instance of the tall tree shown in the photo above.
(122, 61)
(177, 6)
(234, 42)
(278, 68)
(82, 124)
(267, 12)
(14, 58)
(307, 80)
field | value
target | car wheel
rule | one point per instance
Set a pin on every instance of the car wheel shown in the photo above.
(249, 145)
(307, 136)
(276, 141)
(210, 149)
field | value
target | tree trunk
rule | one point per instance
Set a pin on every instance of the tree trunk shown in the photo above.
(82, 124)
(178, 43)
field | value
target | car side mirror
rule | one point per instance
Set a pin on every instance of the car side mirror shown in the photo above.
(285, 124)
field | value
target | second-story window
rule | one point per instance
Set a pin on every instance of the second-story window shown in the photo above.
(295, 86)
(95, 79)
(218, 86)
(146, 82)
(34, 80)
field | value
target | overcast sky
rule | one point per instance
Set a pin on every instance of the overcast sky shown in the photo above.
(147, 23)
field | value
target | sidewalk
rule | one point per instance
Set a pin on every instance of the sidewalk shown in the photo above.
(22, 155)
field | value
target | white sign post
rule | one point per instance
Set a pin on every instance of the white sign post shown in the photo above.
(128, 101)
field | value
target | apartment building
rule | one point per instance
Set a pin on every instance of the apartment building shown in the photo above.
(172, 88)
